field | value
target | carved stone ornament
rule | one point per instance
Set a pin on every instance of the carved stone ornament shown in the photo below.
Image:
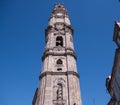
(59, 26)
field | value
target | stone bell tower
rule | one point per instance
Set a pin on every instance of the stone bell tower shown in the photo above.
(59, 80)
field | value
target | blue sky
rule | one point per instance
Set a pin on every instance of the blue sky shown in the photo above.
(22, 42)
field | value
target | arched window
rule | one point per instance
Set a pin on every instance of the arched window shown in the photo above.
(59, 41)
(59, 62)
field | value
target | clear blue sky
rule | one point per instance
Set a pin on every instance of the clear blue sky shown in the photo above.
(22, 42)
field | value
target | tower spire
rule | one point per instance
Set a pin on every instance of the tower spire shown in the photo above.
(59, 8)
(59, 13)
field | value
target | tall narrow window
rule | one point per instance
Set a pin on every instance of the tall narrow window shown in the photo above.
(59, 41)
(60, 92)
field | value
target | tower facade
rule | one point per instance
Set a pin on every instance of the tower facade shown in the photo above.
(59, 80)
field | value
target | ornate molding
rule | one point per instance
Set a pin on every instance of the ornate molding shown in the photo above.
(59, 48)
(69, 29)
(49, 29)
(53, 29)
(58, 73)
(47, 53)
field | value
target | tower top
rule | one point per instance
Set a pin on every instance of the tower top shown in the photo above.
(59, 10)
(59, 15)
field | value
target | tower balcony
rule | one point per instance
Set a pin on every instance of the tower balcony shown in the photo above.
(65, 52)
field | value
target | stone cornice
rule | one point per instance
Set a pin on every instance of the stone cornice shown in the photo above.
(58, 73)
(47, 53)
(70, 49)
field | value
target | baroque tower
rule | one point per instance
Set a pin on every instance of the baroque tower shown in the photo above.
(59, 80)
